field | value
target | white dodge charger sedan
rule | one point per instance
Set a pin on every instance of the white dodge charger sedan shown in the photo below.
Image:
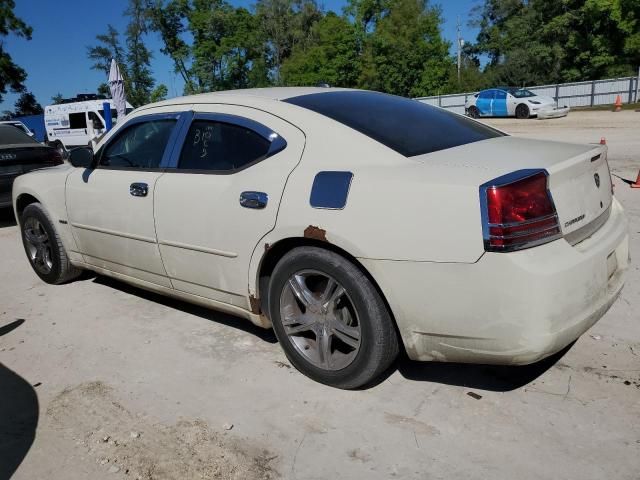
(353, 222)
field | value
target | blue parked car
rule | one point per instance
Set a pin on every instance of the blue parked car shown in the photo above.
(512, 102)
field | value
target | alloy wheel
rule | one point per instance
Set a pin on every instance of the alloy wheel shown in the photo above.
(320, 320)
(38, 245)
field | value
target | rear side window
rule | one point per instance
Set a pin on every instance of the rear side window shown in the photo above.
(140, 145)
(10, 135)
(501, 95)
(219, 146)
(407, 126)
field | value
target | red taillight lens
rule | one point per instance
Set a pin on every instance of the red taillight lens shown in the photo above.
(519, 214)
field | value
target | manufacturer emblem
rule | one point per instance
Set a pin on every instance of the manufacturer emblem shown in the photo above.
(596, 177)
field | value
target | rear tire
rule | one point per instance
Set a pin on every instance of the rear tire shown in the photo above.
(43, 247)
(473, 112)
(522, 111)
(340, 333)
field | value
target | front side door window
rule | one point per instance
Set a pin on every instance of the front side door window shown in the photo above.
(139, 146)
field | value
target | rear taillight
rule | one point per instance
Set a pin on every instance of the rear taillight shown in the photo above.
(518, 212)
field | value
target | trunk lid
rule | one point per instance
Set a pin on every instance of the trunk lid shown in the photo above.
(582, 193)
(579, 178)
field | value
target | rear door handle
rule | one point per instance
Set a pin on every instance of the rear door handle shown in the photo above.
(255, 200)
(139, 189)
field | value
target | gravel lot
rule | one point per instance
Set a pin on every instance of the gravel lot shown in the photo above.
(102, 380)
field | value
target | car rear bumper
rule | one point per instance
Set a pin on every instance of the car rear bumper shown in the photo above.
(507, 308)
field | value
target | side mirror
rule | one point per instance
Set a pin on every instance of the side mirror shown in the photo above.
(81, 157)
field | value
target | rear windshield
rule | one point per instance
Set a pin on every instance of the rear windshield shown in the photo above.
(407, 126)
(10, 135)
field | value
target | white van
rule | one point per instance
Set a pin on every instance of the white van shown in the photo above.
(69, 124)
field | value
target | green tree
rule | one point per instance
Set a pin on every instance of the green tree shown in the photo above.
(159, 93)
(285, 25)
(139, 78)
(545, 41)
(57, 99)
(27, 105)
(330, 55)
(405, 53)
(134, 60)
(226, 48)
(167, 19)
(108, 47)
(12, 77)
(365, 14)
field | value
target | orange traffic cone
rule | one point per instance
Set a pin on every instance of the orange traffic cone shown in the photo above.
(618, 104)
(603, 141)
(636, 184)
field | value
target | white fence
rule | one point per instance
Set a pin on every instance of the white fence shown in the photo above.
(576, 94)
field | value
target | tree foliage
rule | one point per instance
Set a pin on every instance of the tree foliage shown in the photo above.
(27, 105)
(138, 56)
(395, 46)
(390, 45)
(12, 77)
(546, 41)
(57, 99)
(133, 59)
(405, 53)
(329, 56)
(159, 93)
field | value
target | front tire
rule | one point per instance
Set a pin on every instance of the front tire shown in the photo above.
(43, 247)
(329, 318)
(522, 111)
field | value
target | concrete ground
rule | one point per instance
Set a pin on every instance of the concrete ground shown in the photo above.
(101, 380)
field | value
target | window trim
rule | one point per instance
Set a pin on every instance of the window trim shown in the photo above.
(180, 118)
(278, 144)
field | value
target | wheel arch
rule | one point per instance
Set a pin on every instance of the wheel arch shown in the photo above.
(522, 104)
(22, 201)
(273, 253)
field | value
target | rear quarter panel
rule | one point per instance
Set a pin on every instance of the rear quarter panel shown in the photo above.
(397, 208)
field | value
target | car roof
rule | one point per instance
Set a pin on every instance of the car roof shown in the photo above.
(246, 95)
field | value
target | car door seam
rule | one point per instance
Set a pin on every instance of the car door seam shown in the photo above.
(155, 228)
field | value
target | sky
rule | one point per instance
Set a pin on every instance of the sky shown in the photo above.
(56, 57)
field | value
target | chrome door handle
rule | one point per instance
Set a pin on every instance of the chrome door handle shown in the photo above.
(139, 189)
(255, 200)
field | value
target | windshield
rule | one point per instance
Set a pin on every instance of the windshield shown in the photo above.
(10, 135)
(407, 126)
(521, 93)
